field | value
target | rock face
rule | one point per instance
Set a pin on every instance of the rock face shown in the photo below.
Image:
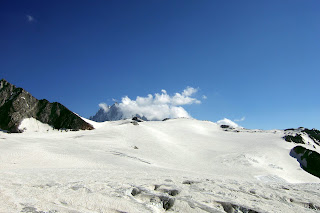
(294, 138)
(314, 134)
(113, 113)
(309, 160)
(296, 135)
(17, 104)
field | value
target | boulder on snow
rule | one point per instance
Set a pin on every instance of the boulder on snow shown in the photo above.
(137, 119)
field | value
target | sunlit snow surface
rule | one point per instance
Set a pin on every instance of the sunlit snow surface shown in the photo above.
(185, 164)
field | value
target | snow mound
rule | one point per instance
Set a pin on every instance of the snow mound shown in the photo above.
(33, 125)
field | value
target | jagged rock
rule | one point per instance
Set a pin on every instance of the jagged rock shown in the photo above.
(141, 118)
(295, 135)
(137, 119)
(17, 104)
(314, 134)
(111, 113)
(114, 113)
(224, 126)
(309, 160)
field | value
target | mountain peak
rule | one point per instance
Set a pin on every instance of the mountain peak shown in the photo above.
(113, 113)
(4, 82)
(16, 104)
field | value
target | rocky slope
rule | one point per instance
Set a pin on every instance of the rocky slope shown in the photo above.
(17, 104)
(305, 153)
(309, 160)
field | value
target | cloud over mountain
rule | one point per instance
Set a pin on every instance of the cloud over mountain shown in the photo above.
(157, 106)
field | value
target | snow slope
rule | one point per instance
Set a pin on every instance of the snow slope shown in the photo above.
(183, 165)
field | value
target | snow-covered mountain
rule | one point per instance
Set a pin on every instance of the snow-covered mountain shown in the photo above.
(112, 113)
(177, 165)
(16, 104)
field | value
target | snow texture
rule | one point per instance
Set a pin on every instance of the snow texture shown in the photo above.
(178, 165)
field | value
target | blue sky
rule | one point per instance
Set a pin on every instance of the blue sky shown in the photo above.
(252, 59)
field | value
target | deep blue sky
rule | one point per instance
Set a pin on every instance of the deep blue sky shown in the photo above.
(258, 59)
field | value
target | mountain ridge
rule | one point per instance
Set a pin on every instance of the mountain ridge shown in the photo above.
(112, 113)
(17, 104)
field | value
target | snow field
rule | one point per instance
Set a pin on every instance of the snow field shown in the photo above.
(185, 165)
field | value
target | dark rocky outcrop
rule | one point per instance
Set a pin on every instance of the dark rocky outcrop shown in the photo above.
(309, 160)
(17, 104)
(314, 134)
(167, 202)
(137, 119)
(295, 135)
(135, 191)
(296, 138)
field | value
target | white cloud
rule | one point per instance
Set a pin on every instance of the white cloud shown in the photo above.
(204, 97)
(241, 119)
(160, 105)
(30, 18)
(189, 91)
(104, 106)
(228, 122)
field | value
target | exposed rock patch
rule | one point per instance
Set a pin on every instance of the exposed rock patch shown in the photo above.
(296, 139)
(167, 202)
(309, 160)
(231, 208)
(296, 135)
(137, 119)
(189, 182)
(314, 134)
(135, 191)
